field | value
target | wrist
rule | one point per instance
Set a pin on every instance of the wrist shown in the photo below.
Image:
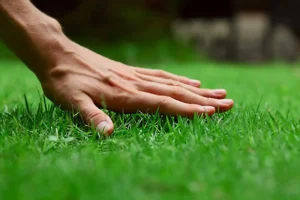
(42, 45)
(34, 37)
(47, 44)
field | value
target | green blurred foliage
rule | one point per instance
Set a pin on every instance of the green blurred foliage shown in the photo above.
(132, 53)
(146, 52)
(134, 32)
(121, 20)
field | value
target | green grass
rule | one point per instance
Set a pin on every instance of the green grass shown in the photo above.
(252, 152)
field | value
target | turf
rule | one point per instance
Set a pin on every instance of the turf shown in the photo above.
(251, 152)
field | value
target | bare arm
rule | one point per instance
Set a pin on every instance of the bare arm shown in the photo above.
(75, 77)
(33, 36)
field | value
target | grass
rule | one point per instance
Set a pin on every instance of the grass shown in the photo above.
(252, 152)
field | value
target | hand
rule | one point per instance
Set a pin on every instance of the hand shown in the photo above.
(86, 81)
(77, 78)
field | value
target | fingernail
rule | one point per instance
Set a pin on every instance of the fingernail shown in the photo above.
(226, 101)
(219, 91)
(194, 82)
(103, 127)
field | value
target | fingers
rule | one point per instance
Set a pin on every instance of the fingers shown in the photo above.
(218, 93)
(95, 117)
(186, 96)
(149, 103)
(167, 75)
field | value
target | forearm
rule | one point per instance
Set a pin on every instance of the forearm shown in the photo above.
(33, 36)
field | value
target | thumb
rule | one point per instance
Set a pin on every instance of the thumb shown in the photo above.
(96, 117)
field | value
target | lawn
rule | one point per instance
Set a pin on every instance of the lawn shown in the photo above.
(251, 152)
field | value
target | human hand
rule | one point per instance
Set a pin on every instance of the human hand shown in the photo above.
(86, 81)
(77, 78)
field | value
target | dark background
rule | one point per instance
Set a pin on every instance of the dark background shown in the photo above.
(117, 17)
(138, 31)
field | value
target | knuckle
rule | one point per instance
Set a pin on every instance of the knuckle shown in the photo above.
(77, 99)
(121, 98)
(164, 101)
(208, 101)
(142, 85)
(92, 116)
(178, 92)
(109, 78)
(173, 82)
(160, 72)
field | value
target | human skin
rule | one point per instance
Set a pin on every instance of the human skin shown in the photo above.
(74, 77)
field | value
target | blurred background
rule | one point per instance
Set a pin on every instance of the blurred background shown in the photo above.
(143, 31)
